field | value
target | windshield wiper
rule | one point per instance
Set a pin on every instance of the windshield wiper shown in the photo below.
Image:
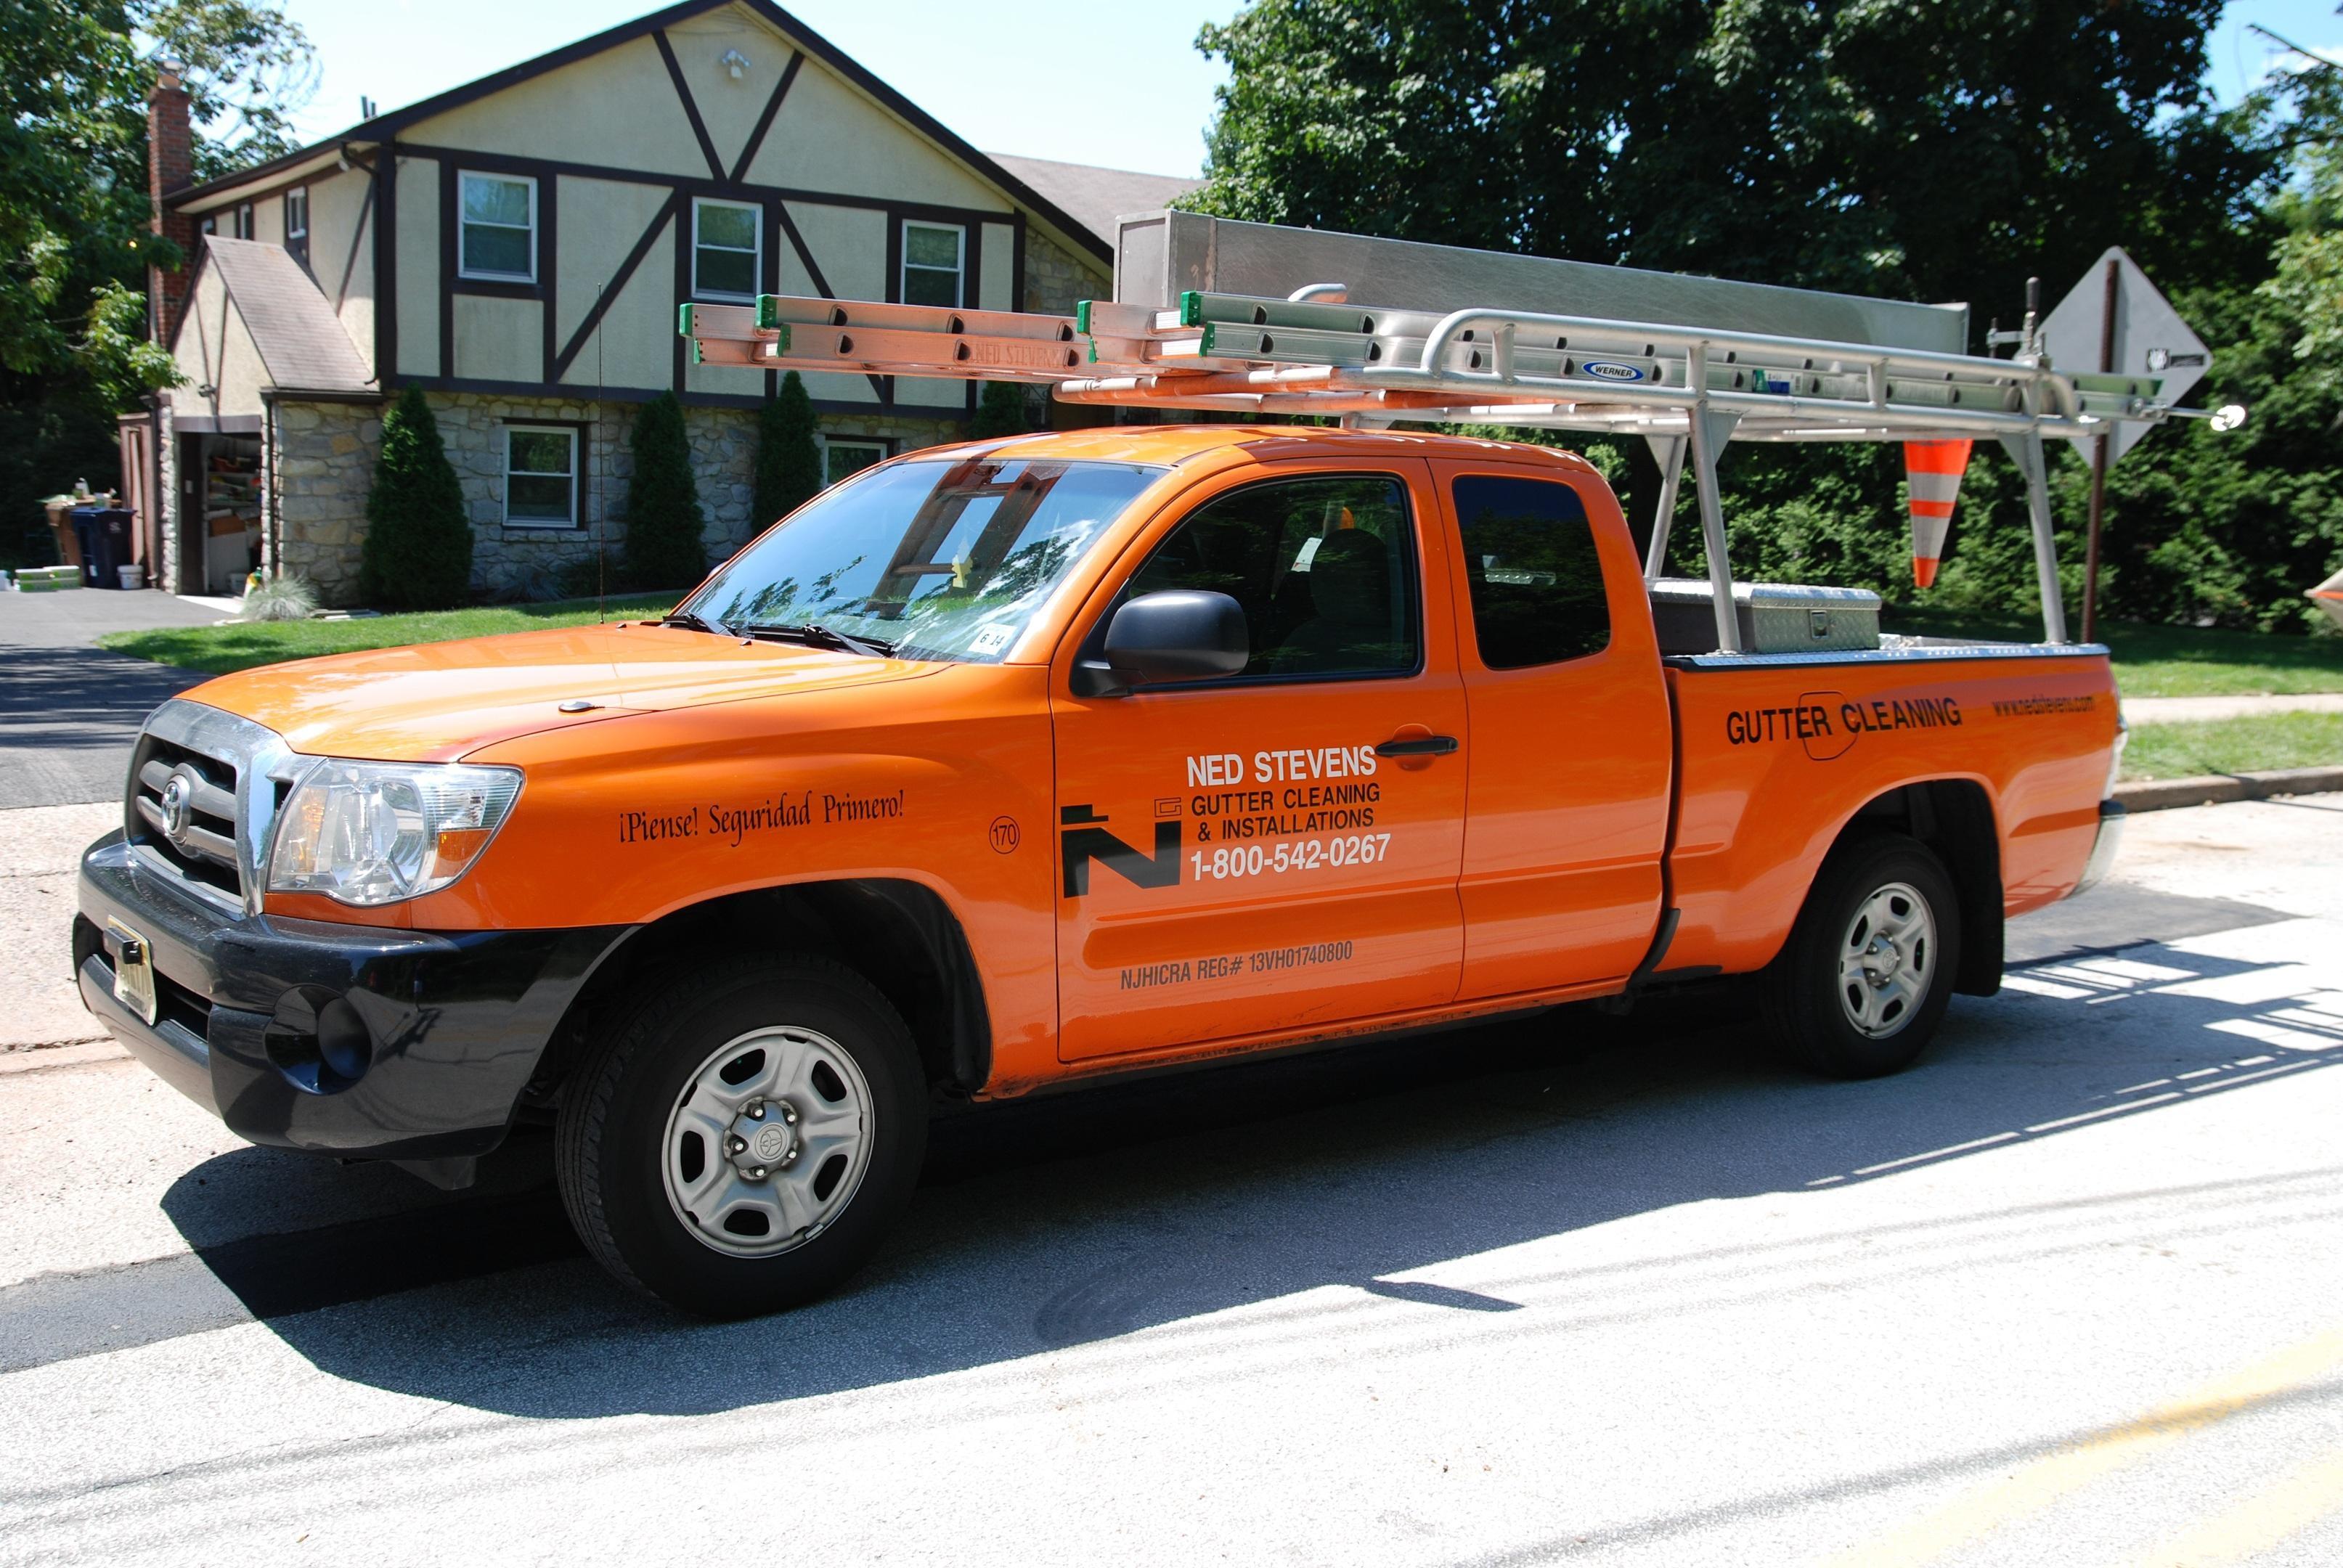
(693, 620)
(815, 636)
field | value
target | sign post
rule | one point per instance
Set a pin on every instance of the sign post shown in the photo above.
(2122, 326)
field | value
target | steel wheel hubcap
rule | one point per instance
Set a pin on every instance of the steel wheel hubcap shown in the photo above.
(767, 1143)
(1886, 961)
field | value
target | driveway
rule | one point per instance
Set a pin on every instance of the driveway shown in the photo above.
(68, 710)
(1588, 1290)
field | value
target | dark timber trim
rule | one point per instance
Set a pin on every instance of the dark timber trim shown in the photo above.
(358, 233)
(690, 105)
(547, 260)
(840, 405)
(765, 120)
(385, 267)
(683, 238)
(615, 286)
(698, 184)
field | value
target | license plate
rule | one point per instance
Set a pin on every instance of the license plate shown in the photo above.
(133, 971)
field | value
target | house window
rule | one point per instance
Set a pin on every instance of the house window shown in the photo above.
(499, 227)
(931, 264)
(210, 225)
(726, 250)
(540, 477)
(840, 457)
(244, 220)
(296, 224)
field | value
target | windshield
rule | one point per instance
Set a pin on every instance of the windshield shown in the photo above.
(942, 559)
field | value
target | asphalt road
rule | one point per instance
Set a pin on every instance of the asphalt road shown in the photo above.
(70, 711)
(1584, 1289)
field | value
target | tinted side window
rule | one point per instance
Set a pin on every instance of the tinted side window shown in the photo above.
(1536, 581)
(1324, 568)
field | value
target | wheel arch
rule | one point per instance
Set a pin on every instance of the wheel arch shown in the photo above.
(1955, 818)
(897, 934)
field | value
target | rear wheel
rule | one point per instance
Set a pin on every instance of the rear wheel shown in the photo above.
(742, 1140)
(1865, 978)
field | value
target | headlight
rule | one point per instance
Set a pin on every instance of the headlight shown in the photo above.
(376, 832)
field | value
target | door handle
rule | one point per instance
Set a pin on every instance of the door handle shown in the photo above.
(1418, 746)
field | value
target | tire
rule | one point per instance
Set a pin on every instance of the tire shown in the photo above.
(1859, 988)
(802, 1062)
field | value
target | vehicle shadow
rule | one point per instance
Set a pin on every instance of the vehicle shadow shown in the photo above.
(1300, 1186)
(69, 719)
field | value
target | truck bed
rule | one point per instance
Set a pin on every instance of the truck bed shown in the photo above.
(1777, 752)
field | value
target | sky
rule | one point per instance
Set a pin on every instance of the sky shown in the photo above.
(1119, 84)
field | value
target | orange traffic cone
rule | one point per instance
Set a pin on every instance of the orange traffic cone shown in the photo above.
(1931, 472)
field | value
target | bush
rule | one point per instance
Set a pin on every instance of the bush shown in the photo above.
(788, 454)
(1001, 409)
(288, 598)
(417, 553)
(664, 522)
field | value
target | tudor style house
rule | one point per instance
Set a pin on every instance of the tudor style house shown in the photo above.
(517, 248)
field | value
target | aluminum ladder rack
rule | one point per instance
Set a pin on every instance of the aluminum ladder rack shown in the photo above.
(1686, 390)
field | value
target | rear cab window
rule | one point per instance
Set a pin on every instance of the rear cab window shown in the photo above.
(1531, 571)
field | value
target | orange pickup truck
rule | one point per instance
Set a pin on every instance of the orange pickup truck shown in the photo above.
(1017, 765)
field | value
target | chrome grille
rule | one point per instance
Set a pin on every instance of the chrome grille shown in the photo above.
(204, 792)
(182, 807)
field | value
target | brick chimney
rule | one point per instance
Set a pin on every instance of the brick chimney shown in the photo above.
(170, 168)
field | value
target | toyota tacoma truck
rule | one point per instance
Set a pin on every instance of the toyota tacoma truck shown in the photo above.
(1024, 764)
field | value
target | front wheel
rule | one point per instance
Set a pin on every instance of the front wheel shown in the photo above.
(743, 1139)
(1858, 989)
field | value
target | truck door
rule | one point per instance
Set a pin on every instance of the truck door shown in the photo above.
(1566, 819)
(1277, 849)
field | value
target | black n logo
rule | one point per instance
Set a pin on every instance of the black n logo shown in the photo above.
(1088, 842)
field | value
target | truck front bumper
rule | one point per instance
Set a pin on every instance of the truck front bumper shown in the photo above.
(347, 1040)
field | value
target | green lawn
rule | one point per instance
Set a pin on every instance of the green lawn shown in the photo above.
(2235, 744)
(2173, 661)
(240, 645)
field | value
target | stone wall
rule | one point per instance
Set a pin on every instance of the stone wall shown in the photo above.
(1056, 279)
(322, 466)
(326, 454)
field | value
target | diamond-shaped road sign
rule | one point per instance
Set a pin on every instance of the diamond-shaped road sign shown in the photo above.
(2150, 339)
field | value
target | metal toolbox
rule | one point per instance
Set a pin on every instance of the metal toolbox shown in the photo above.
(1776, 618)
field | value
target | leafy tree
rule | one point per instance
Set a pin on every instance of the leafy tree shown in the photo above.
(788, 452)
(1940, 152)
(417, 552)
(74, 243)
(664, 522)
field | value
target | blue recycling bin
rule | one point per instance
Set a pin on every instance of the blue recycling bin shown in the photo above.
(104, 534)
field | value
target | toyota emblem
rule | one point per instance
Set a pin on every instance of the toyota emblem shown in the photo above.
(178, 800)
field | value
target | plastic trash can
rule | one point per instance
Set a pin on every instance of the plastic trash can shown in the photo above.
(104, 534)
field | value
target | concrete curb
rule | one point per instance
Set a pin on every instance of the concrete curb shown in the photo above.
(2211, 789)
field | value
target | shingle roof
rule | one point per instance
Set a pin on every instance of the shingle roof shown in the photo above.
(300, 339)
(1095, 198)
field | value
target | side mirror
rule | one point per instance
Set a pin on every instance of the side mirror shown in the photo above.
(1179, 634)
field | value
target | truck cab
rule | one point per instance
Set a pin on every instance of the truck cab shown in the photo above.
(1018, 765)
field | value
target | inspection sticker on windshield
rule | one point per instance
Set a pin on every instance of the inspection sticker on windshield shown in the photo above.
(991, 639)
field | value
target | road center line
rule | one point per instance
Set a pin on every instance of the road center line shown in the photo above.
(1989, 1505)
(2293, 1504)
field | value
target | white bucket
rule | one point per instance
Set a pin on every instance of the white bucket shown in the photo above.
(134, 576)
